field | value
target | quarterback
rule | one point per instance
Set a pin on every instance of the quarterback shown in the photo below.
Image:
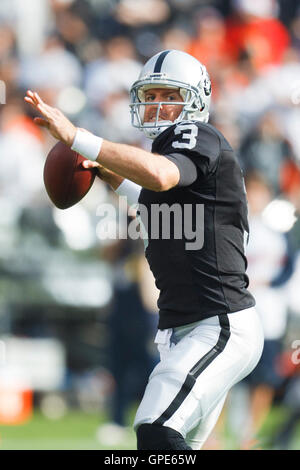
(209, 334)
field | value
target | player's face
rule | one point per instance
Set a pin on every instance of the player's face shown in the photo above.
(167, 112)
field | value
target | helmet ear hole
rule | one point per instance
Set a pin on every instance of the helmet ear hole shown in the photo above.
(140, 95)
(183, 93)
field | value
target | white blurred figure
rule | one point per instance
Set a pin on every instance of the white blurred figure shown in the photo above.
(21, 179)
(32, 23)
(282, 86)
(113, 72)
(268, 255)
(21, 176)
(257, 8)
(54, 67)
(30, 20)
(107, 84)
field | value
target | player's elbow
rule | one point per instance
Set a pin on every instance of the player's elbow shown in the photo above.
(165, 180)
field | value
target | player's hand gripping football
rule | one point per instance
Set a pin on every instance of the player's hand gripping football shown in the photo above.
(53, 119)
(104, 174)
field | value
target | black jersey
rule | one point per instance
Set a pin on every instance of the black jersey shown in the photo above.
(207, 278)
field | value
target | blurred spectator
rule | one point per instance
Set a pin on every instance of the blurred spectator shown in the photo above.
(75, 26)
(9, 65)
(210, 45)
(295, 31)
(107, 83)
(54, 69)
(31, 22)
(284, 435)
(254, 30)
(229, 71)
(115, 71)
(22, 157)
(7, 41)
(287, 11)
(131, 328)
(136, 13)
(175, 38)
(270, 266)
(267, 150)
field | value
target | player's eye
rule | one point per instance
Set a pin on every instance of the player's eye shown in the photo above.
(150, 98)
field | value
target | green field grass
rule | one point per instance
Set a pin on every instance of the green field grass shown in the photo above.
(77, 431)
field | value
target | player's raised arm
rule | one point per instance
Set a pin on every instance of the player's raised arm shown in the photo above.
(154, 172)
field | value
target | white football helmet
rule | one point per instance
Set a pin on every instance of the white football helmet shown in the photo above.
(171, 69)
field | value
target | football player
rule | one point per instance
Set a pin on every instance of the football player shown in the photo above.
(209, 334)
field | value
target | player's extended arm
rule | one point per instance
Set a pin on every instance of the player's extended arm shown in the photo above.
(151, 171)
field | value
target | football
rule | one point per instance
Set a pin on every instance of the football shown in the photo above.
(65, 179)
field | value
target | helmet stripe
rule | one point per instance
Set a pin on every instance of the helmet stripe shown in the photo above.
(159, 61)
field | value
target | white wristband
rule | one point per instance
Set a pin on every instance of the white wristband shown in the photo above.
(129, 189)
(87, 144)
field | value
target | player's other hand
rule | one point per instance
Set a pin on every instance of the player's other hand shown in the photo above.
(53, 119)
(104, 174)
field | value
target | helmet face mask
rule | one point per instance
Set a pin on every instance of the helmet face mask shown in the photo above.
(180, 71)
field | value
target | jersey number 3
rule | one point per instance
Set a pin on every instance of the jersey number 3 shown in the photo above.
(190, 136)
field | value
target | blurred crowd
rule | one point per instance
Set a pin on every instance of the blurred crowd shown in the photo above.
(82, 56)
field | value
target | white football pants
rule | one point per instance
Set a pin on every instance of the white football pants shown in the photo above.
(198, 365)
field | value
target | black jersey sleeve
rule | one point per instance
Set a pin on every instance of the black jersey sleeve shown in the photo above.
(187, 169)
(193, 147)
